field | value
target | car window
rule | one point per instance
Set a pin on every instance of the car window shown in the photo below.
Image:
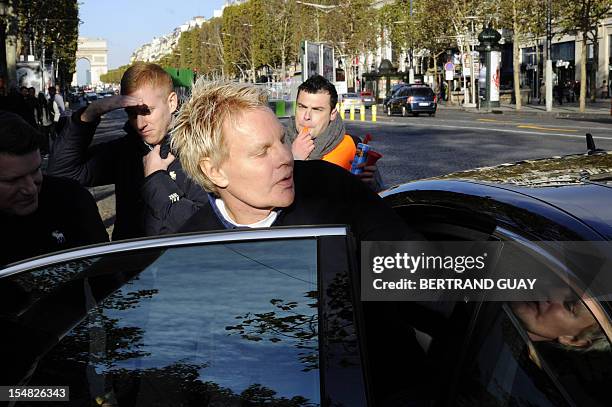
(500, 372)
(421, 92)
(224, 322)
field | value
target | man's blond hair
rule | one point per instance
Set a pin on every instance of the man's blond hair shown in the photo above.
(198, 127)
(144, 74)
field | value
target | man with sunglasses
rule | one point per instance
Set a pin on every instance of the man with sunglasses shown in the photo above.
(153, 195)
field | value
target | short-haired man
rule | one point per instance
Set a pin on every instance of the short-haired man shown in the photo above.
(153, 195)
(318, 131)
(39, 214)
(231, 143)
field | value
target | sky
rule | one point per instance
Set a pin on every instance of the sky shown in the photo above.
(128, 24)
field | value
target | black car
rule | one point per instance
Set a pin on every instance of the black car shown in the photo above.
(413, 100)
(277, 316)
(558, 213)
(394, 89)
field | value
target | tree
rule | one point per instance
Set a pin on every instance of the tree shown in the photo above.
(49, 30)
(114, 75)
(582, 17)
(213, 57)
(524, 18)
(350, 28)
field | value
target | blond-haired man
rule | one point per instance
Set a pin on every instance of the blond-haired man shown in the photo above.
(231, 143)
(153, 195)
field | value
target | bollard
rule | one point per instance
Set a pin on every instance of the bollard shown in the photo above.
(352, 113)
(362, 113)
(342, 113)
(373, 113)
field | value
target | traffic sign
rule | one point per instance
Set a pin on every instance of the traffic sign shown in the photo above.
(449, 66)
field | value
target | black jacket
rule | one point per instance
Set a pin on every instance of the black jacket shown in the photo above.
(327, 194)
(67, 217)
(159, 204)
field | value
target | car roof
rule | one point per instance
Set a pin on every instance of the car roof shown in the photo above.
(578, 184)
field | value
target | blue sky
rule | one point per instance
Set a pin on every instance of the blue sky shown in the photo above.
(127, 24)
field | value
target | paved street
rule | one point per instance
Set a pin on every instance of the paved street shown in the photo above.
(453, 140)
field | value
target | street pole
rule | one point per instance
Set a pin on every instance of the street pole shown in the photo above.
(549, 71)
(411, 69)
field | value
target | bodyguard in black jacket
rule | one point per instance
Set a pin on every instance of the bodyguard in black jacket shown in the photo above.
(153, 195)
(39, 214)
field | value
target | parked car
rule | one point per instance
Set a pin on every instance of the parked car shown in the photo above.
(237, 318)
(413, 100)
(367, 99)
(90, 97)
(349, 100)
(394, 89)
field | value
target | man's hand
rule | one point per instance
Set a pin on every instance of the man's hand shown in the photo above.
(153, 162)
(303, 145)
(102, 106)
(368, 174)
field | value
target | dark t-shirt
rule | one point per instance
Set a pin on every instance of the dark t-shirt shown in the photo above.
(67, 217)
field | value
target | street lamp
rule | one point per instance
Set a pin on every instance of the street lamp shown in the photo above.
(473, 75)
(548, 72)
(489, 44)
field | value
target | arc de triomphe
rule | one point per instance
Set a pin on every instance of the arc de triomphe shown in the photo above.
(95, 51)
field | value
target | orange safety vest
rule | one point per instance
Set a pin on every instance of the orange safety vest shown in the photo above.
(343, 154)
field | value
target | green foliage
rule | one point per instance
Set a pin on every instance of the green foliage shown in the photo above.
(51, 26)
(114, 75)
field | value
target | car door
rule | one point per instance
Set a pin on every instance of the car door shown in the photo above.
(479, 350)
(231, 318)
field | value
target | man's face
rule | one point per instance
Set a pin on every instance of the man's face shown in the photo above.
(20, 181)
(257, 176)
(151, 119)
(314, 111)
(549, 320)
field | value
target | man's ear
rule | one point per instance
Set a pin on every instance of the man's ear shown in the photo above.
(569, 340)
(333, 114)
(214, 173)
(172, 101)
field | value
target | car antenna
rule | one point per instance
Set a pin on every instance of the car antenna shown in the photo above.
(591, 149)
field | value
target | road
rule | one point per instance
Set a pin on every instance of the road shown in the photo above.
(421, 147)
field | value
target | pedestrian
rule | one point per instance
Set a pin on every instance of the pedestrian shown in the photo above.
(231, 143)
(44, 119)
(604, 89)
(153, 194)
(317, 131)
(39, 214)
(559, 92)
(55, 95)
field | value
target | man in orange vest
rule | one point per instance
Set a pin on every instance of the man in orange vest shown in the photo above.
(318, 132)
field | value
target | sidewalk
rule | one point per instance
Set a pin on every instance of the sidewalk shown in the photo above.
(597, 111)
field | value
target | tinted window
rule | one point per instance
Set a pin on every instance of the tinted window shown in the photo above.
(216, 324)
(423, 92)
(502, 372)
